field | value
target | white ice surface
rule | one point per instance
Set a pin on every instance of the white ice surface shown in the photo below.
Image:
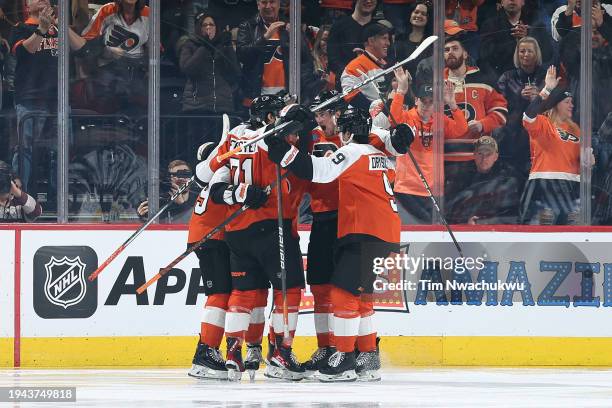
(418, 387)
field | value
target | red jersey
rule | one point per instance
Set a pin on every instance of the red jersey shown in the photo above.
(324, 196)
(555, 151)
(407, 178)
(464, 12)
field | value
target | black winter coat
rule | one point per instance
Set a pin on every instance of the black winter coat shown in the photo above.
(212, 71)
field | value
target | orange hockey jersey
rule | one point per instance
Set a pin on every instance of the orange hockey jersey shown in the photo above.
(358, 70)
(555, 151)
(366, 202)
(252, 166)
(407, 179)
(479, 101)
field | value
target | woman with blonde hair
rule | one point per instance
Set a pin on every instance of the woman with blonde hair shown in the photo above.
(552, 193)
(520, 86)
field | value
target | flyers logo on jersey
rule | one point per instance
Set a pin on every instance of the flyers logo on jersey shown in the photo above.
(468, 109)
(567, 137)
(378, 163)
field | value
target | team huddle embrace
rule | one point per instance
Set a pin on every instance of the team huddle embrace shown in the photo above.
(260, 169)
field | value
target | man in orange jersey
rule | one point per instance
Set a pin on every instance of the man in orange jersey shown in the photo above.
(214, 265)
(416, 206)
(324, 140)
(254, 249)
(485, 110)
(368, 228)
(372, 61)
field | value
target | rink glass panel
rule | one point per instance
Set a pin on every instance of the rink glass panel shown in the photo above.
(101, 133)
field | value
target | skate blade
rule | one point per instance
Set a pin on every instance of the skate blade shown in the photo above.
(273, 372)
(206, 373)
(233, 374)
(347, 376)
(369, 376)
(251, 374)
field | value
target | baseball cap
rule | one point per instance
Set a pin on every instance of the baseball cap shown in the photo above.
(424, 90)
(485, 142)
(451, 27)
(373, 29)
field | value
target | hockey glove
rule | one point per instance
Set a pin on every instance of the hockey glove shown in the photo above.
(277, 147)
(401, 138)
(249, 194)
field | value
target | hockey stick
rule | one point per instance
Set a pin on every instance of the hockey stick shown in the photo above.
(192, 248)
(132, 237)
(426, 43)
(421, 176)
(181, 190)
(281, 252)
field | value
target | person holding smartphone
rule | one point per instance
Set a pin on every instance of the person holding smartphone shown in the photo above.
(15, 204)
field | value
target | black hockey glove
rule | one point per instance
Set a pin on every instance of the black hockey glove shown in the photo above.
(277, 147)
(401, 138)
(249, 194)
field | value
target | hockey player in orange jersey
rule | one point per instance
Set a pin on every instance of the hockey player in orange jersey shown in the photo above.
(213, 256)
(324, 140)
(368, 228)
(254, 249)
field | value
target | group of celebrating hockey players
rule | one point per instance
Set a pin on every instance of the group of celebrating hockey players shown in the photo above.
(346, 171)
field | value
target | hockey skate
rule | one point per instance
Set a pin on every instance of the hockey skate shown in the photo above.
(340, 367)
(368, 364)
(272, 371)
(208, 363)
(253, 359)
(284, 359)
(318, 359)
(234, 364)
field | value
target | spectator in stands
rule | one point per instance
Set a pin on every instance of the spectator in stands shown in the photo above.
(567, 19)
(320, 57)
(116, 39)
(333, 10)
(419, 27)
(376, 43)
(416, 206)
(485, 110)
(347, 34)
(601, 182)
(552, 193)
(209, 61)
(602, 66)
(491, 191)
(179, 173)
(398, 12)
(500, 34)
(15, 204)
(465, 12)
(230, 12)
(263, 50)
(424, 70)
(35, 46)
(520, 86)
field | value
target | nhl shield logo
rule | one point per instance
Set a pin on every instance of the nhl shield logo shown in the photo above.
(65, 282)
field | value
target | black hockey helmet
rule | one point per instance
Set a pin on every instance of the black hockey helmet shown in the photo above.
(356, 121)
(339, 105)
(264, 104)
